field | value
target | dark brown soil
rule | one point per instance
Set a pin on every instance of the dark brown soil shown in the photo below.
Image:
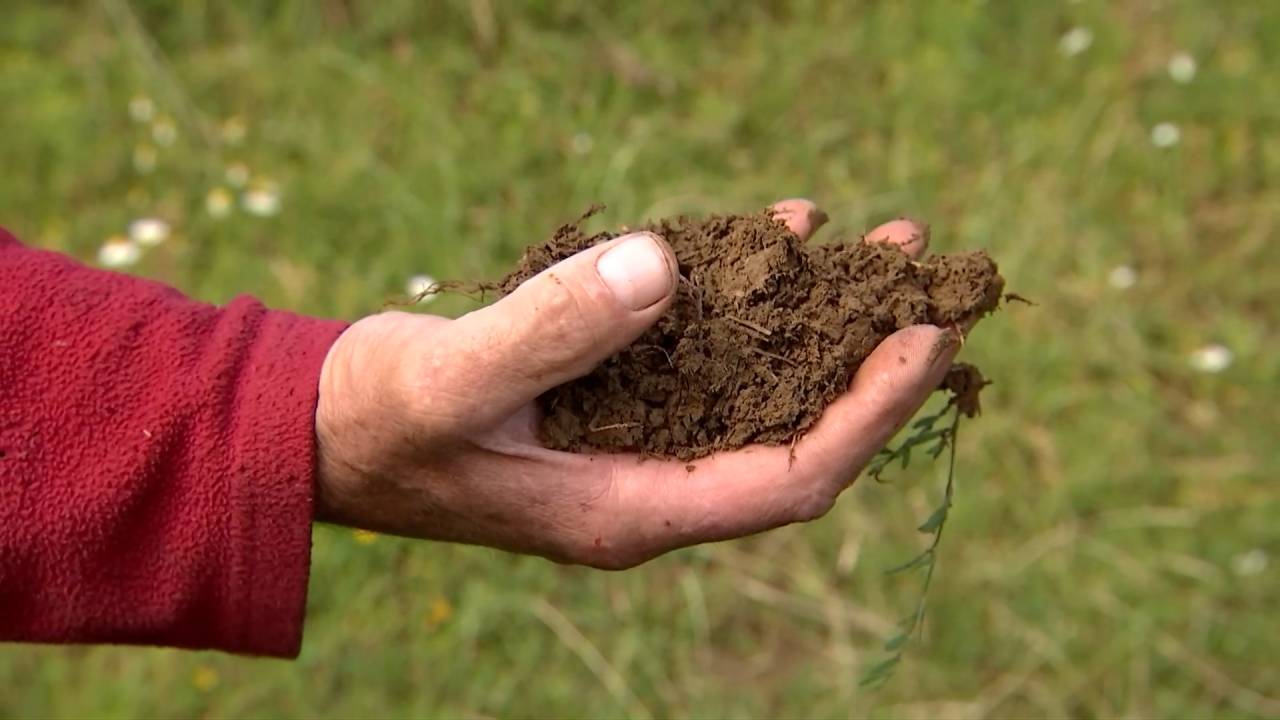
(765, 332)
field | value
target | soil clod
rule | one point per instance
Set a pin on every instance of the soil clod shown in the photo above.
(965, 383)
(765, 332)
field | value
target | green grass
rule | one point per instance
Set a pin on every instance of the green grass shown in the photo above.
(1091, 565)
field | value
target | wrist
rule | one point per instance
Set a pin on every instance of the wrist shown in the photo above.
(364, 431)
(333, 473)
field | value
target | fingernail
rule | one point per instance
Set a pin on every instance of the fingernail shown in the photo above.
(636, 270)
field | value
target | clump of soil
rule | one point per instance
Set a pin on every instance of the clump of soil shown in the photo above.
(765, 332)
(965, 383)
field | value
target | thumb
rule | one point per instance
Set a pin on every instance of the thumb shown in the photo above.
(559, 324)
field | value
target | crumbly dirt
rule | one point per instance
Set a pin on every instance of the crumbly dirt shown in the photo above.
(765, 332)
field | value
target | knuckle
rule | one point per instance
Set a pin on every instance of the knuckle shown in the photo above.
(811, 494)
(814, 507)
(566, 319)
(592, 552)
(603, 540)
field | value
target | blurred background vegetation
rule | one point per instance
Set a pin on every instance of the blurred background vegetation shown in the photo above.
(1113, 549)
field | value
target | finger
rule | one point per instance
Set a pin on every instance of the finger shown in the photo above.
(555, 327)
(801, 216)
(888, 389)
(910, 236)
(757, 488)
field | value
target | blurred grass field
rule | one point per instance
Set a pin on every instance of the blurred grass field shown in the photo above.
(1114, 549)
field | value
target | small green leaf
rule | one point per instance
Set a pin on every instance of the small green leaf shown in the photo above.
(883, 667)
(879, 671)
(925, 437)
(928, 420)
(906, 456)
(908, 624)
(877, 469)
(935, 520)
(921, 560)
(896, 642)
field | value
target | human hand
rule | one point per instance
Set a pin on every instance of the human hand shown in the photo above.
(427, 427)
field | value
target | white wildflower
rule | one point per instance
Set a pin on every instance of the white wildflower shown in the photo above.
(164, 132)
(582, 143)
(1182, 67)
(1122, 277)
(1075, 41)
(144, 158)
(237, 174)
(1212, 358)
(419, 284)
(263, 199)
(218, 203)
(118, 252)
(1165, 134)
(1248, 563)
(141, 109)
(148, 232)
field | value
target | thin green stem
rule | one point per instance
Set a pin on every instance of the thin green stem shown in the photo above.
(942, 525)
(937, 523)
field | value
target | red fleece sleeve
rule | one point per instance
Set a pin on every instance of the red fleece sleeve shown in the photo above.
(157, 460)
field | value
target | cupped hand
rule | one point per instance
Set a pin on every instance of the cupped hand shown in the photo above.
(427, 427)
